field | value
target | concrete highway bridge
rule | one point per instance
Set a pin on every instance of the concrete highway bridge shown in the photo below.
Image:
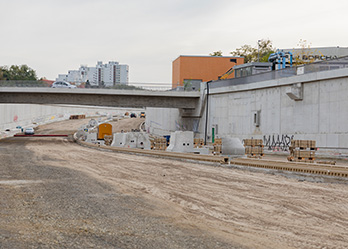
(100, 97)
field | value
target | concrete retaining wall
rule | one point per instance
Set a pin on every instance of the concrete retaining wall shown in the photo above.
(13, 115)
(164, 121)
(264, 110)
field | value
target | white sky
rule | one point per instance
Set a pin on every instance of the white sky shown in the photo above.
(54, 36)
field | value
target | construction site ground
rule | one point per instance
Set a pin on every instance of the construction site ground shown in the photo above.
(55, 193)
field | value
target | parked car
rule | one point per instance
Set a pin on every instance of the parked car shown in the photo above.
(62, 84)
(133, 115)
(29, 131)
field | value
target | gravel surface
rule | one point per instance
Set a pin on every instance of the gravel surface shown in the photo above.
(57, 194)
(44, 206)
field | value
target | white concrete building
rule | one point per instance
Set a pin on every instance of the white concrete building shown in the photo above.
(318, 53)
(109, 74)
(112, 74)
(62, 77)
(74, 76)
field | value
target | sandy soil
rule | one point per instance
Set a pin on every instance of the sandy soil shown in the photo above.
(231, 207)
(70, 127)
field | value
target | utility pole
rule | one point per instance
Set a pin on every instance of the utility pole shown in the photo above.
(258, 50)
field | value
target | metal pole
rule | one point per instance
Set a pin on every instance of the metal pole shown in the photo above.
(206, 115)
(258, 50)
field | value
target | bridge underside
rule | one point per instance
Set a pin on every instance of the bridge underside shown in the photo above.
(100, 98)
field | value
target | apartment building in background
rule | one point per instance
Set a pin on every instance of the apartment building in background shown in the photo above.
(110, 74)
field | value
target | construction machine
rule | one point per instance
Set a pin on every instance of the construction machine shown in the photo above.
(280, 58)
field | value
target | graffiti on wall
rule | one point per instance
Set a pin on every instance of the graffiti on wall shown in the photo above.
(191, 125)
(277, 142)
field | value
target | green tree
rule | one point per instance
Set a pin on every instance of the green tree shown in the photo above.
(265, 49)
(216, 53)
(304, 54)
(258, 53)
(4, 73)
(15, 72)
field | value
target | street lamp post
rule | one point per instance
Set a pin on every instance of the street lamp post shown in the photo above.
(258, 50)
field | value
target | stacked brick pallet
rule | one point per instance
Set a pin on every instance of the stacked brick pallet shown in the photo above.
(108, 140)
(254, 148)
(217, 146)
(198, 142)
(159, 143)
(77, 117)
(302, 151)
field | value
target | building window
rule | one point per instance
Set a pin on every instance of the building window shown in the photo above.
(256, 118)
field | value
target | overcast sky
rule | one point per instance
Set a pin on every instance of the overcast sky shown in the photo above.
(54, 36)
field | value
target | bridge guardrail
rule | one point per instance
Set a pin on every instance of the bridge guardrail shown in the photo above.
(23, 83)
(136, 86)
(326, 65)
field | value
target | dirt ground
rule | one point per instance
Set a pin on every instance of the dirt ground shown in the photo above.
(55, 193)
(69, 127)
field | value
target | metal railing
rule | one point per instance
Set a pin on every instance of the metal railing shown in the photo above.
(129, 86)
(23, 83)
(319, 66)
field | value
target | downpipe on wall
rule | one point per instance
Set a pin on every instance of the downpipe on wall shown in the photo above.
(206, 114)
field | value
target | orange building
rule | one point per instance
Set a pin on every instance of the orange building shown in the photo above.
(202, 68)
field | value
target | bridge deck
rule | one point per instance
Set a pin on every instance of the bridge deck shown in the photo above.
(100, 97)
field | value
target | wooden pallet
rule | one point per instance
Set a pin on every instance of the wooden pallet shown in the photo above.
(326, 162)
(309, 148)
(108, 140)
(254, 156)
(77, 117)
(301, 159)
(297, 167)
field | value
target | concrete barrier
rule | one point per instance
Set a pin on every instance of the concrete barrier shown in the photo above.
(232, 146)
(91, 137)
(138, 140)
(160, 154)
(143, 141)
(181, 141)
